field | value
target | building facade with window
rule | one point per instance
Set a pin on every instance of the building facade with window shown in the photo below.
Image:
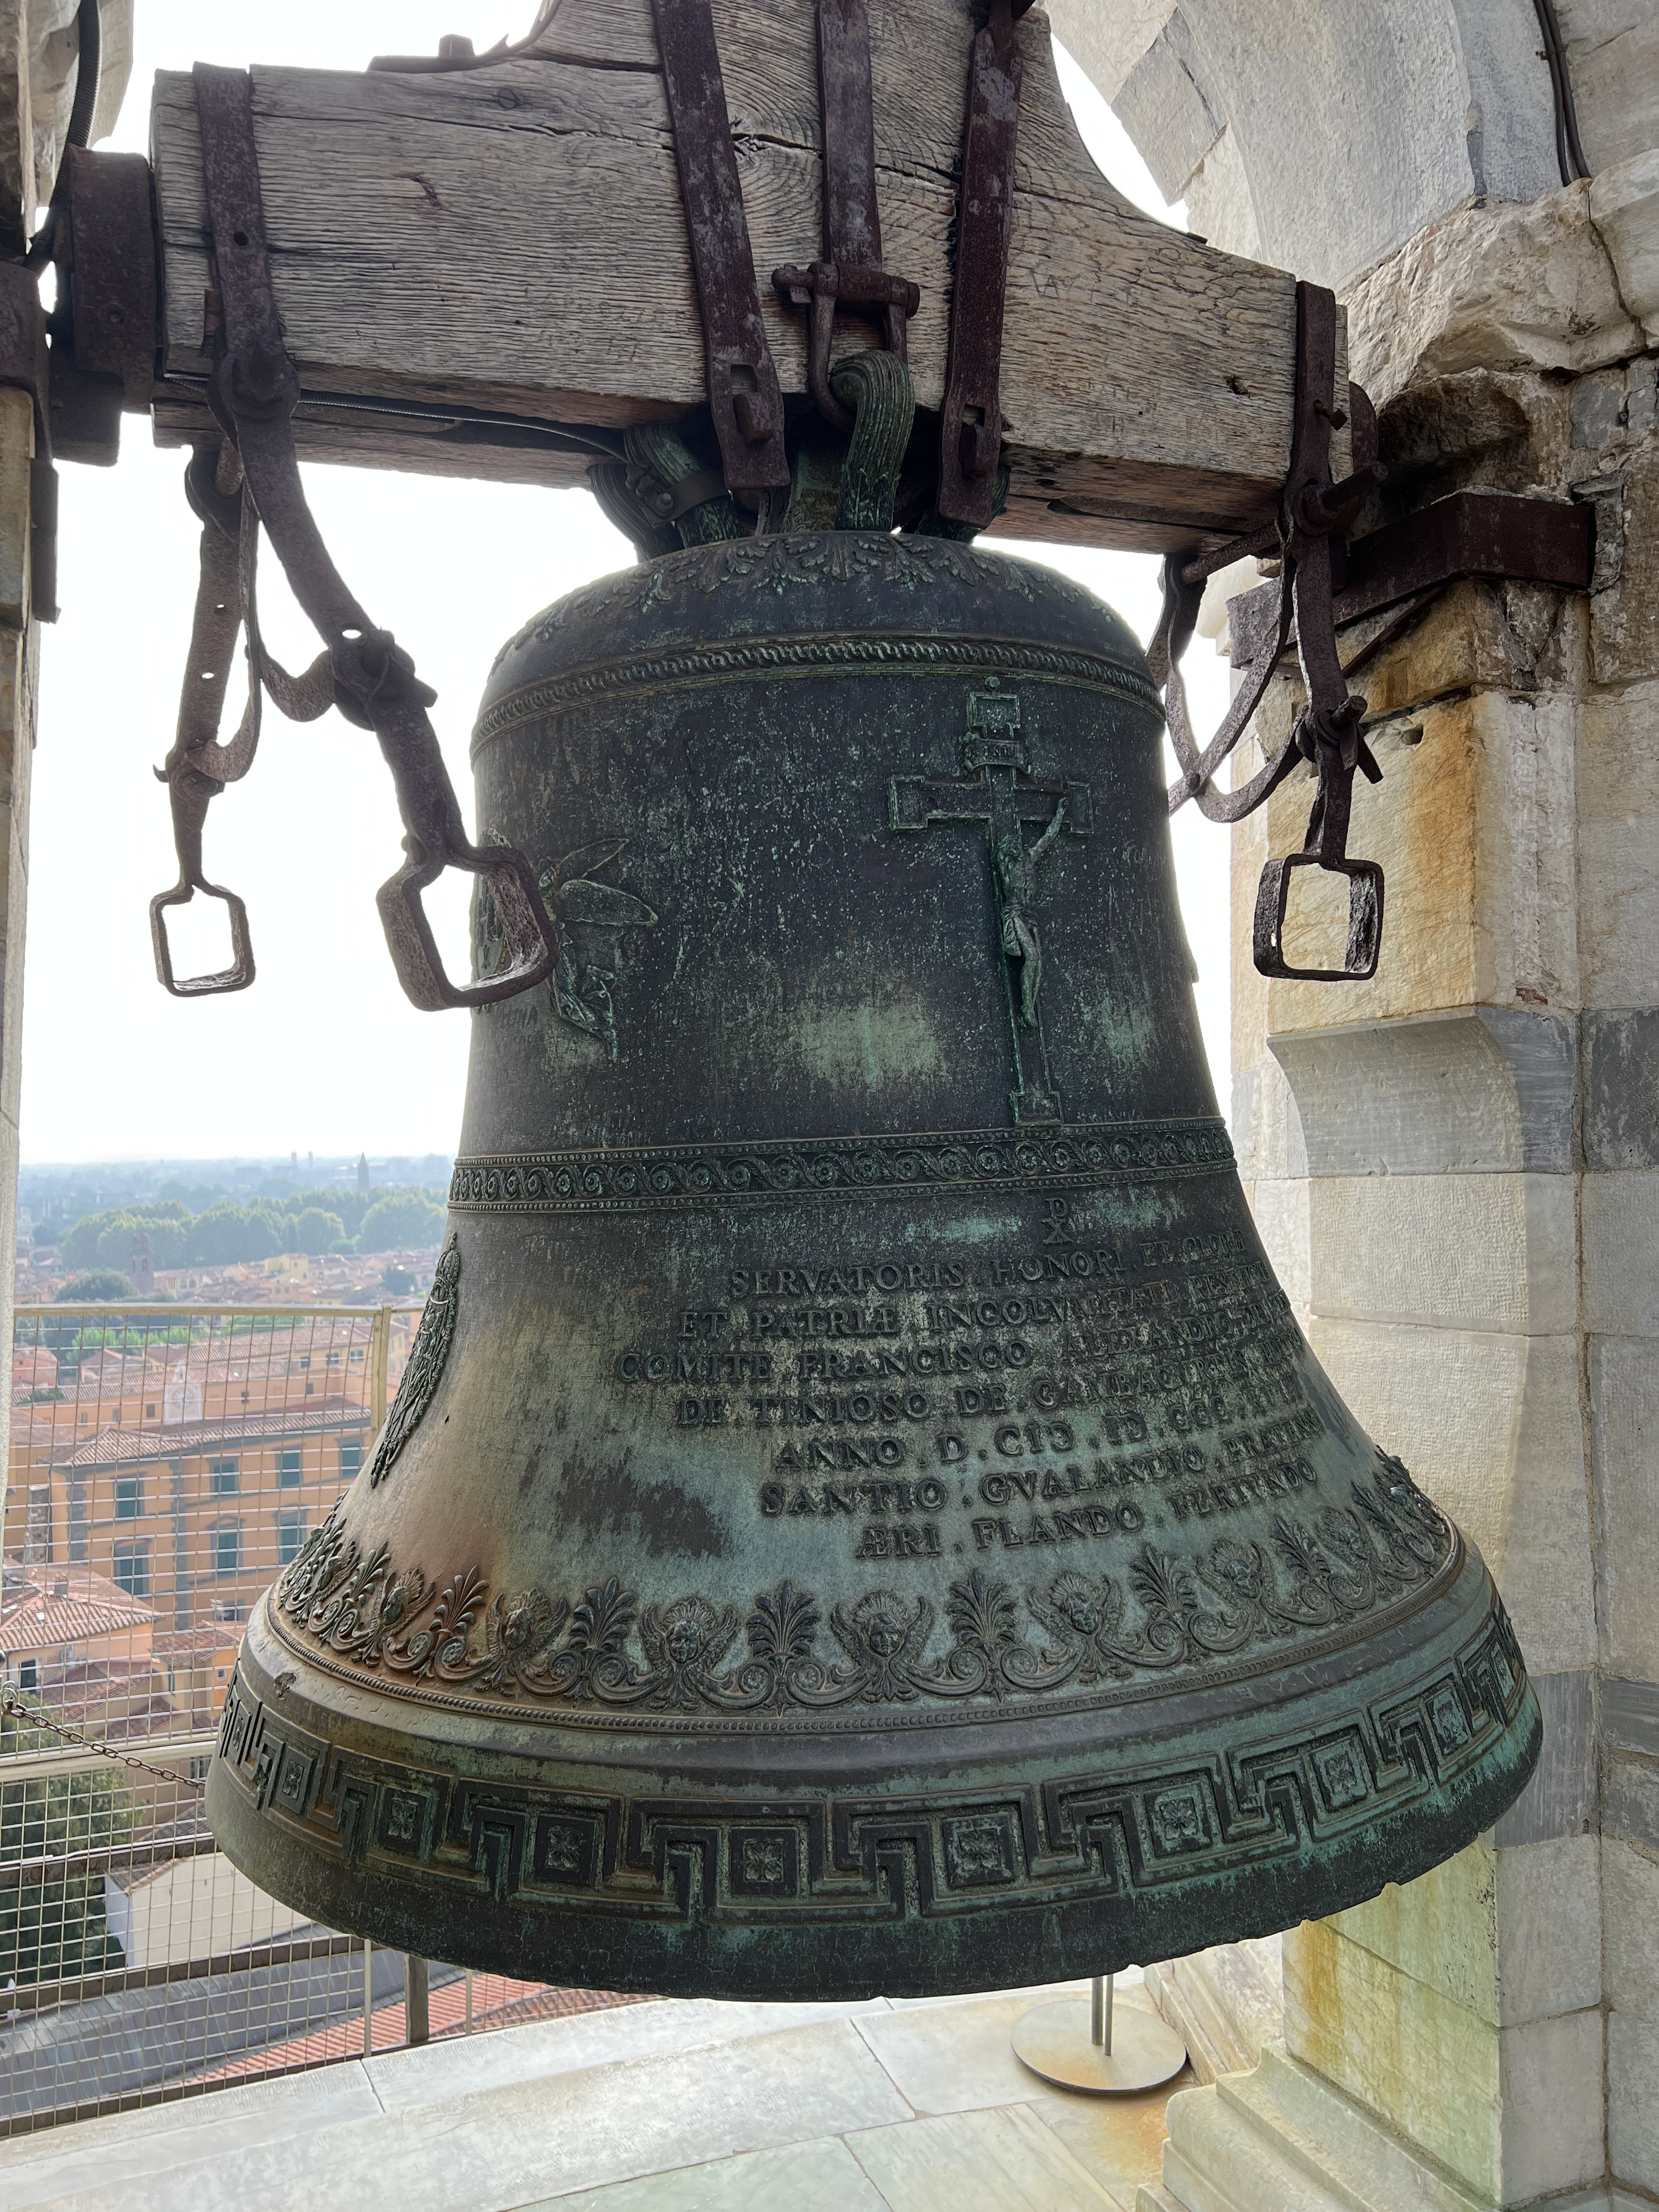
(193, 1519)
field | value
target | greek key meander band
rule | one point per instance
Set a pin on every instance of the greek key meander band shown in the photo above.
(1208, 1613)
(841, 1852)
(816, 656)
(978, 1159)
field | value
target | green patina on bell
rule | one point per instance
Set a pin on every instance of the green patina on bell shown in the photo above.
(860, 1517)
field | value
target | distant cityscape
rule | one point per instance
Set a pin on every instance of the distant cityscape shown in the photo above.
(311, 1229)
(175, 1438)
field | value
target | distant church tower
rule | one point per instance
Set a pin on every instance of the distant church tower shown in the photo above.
(363, 1171)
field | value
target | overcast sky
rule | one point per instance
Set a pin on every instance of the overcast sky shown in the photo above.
(324, 1053)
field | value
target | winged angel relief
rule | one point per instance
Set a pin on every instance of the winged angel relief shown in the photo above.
(591, 916)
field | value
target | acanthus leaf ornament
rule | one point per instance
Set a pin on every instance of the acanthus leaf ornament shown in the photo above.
(1168, 1610)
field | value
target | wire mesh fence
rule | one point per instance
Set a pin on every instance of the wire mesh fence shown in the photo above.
(165, 1464)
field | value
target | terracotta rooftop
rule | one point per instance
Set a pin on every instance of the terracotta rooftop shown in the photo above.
(55, 1605)
(113, 1447)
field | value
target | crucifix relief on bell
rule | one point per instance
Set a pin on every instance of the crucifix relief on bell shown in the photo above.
(1022, 819)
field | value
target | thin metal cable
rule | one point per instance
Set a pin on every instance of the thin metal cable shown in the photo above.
(1569, 151)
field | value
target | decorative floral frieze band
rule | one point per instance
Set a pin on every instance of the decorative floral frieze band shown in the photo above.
(604, 1647)
(782, 566)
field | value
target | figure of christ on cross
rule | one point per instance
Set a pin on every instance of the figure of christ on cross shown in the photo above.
(996, 791)
(1015, 862)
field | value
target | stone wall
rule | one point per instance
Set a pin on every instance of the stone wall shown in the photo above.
(40, 46)
(1456, 1168)
(1321, 134)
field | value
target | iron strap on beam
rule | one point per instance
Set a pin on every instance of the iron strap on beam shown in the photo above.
(1315, 514)
(851, 274)
(362, 671)
(970, 421)
(744, 396)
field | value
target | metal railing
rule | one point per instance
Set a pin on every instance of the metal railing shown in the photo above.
(165, 1462)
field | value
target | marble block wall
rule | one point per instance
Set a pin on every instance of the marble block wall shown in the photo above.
(18, 640)
(1456, 1168)
(40, 45)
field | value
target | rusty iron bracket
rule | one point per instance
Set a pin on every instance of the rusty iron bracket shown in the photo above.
(970, 424)
(1470, 533)
(850, 275)
(253, 392)
(1511, 535)
(744, 396)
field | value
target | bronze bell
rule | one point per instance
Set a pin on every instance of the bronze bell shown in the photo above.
(859, 1517)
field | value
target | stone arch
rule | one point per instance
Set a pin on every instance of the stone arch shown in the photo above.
(1319, 135)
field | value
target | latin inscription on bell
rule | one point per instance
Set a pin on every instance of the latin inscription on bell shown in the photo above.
(1068, 1389)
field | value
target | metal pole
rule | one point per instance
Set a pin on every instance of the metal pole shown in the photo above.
(416, 2018)
(379, 1377)
(1112, 2058)
(369, 1998)
(469, 2000)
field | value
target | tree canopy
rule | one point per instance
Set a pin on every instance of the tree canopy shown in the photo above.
(401, 1221)
(226, 1234)
(95, 1286)
(55, 1930)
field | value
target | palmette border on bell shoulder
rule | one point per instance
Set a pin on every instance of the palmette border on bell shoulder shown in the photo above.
(602, 1648)
(813, 656)
(977, 1160)
(781, 566)
(791, 561)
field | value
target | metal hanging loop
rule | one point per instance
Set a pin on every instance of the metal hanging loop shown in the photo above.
(197, 768)
(971, 419)
(1313, 512)
(253, 392)
(850, 275)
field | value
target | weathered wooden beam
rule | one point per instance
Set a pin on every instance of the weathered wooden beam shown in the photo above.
(510, 238)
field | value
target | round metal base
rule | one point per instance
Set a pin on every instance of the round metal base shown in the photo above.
(1053, 2041)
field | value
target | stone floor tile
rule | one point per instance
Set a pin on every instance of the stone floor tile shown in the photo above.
(1005, 2161)
(813, 2176)
(127, 2148)
(1034, 1993)
(957, 2058)
(461, 2064)
(1120, 2139)
(508, 2147)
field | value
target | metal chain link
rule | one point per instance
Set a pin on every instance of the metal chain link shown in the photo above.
(65, 1733)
